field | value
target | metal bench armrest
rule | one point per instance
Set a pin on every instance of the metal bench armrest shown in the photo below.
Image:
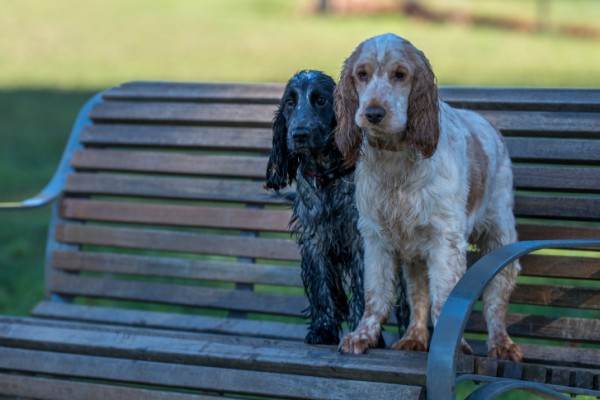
(443, 352)
(54, 188)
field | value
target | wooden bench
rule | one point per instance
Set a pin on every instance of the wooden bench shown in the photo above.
(171, 273)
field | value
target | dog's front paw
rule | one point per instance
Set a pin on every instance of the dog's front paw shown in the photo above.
(505, 349)
(410, 345)
(356, 343)
(322, 337)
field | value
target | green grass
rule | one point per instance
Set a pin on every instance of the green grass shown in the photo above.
(55, 55)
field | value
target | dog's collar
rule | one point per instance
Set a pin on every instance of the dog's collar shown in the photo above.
(379, 144)
(320, 180)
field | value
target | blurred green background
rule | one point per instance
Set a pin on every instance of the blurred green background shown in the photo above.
(56, 54)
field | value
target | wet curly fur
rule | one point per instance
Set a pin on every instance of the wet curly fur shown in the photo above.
(324, 211)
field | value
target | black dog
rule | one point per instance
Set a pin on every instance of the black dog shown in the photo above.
(324, 213)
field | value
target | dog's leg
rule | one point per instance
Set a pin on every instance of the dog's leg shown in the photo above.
(380, 289)
(327, 299)
(496, 298)
(416, 337)
(500, 232)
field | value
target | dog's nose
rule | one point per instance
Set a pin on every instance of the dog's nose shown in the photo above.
(374, 114)
(300, 135)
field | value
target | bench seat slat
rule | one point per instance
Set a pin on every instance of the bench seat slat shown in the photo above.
(176, 215)
(206, 138)
(119, 160)
(176, 268)
(33, 387)
(171, 321)
(152, 239)
(173, 188)
(173, 294)
(195, 377)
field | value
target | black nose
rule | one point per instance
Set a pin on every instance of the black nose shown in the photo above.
(374, 114)
(300, 135)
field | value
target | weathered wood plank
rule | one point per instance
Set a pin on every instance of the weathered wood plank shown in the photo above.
(208, 350)
(250, 115)
(170, 163)
(529, 231)
(557, 178)
(539, 149)
(543, 327)
(177, 215)
(558, 207)
(268, 93)
(195, 377)
(561, 266)
(24, 386)
(171, 321)
(557, 296)
(465, 97)
(186, 295)
(259, 115)
(173, 188)
(176, 268)
(188, 137)
(152, 239)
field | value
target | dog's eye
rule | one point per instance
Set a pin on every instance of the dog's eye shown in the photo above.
(399, 75)
(289, 103)
(321, 101)
(362, 76)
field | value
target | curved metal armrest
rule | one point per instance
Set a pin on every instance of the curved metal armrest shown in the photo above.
(443, 352)
(54, 188)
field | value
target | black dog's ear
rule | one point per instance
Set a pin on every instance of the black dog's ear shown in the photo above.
(282, 166)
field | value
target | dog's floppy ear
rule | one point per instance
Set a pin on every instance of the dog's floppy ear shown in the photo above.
(282, 166)
(348, 137)
(423, 125)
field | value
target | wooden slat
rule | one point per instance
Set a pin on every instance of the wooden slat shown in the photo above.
(171, 321)
(466, 97)
(257, 115)
(211, 350)
(208, 92)
(251, 115)
(166, 293)
(567, 124)
(543, 327)
(557, 296)
(60, 389)
(558, 207)
(176, 268)
(177, 215)
(499, 98)
(539, 149)
(557, 178)
(528, 231)
(195, 376)
(173, 188)
(189, 137)
(177, 163)
(161, 240)
(561, 267)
